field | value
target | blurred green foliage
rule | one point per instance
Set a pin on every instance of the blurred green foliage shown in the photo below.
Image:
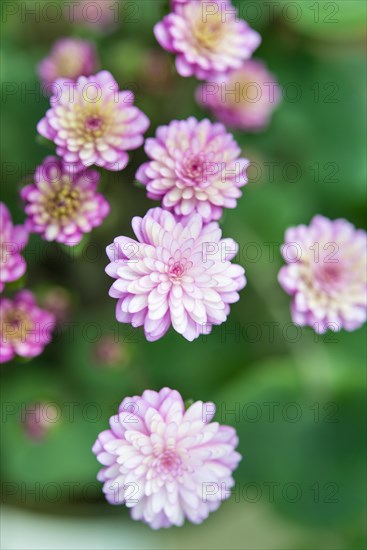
(315, 150)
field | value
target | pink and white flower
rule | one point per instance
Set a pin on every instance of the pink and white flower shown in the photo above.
(176, 273)
(62, 204)
(245, 99)
(13, 238)
(326, 274)
(91, 122)
(208, 38)
(25, 329)
(195, 167)
(68, 58)
(165, 463)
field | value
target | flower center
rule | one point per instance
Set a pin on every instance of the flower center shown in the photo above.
(15, 325)
(208, 33)
(169, 464)
(90, 121)
(93, 123)
(177, 268)
(194, 170)
(194, 167)
(68, 64)
(329, 275)
(64, 203)
(246, 92)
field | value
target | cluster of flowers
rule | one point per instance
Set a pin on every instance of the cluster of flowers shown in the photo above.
(158, 458)
(25, 328)
(212, 43)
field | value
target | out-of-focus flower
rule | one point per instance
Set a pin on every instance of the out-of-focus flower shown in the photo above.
(177, 272)
(165, 463)
(69, 58)
(25, 329)
(58, 301)
(101, 15)
(245, 99)
(326, 274)
(91, 122)
(208, 38)
(108, 352)
(13, 238)
(38, 419)
(63, 204)
(195, 167)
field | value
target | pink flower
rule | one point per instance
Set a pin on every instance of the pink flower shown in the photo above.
(25, 329)
(13, 239)
(208, 38)
(195, 167)
(69, 58)
(245, 99)
(91, 122)
(177, 272)
(38, 419)
(326, 274)
(165, 463)
(62, 204)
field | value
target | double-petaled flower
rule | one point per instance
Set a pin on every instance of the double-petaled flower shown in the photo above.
(326, 274)
(25, 329)
(62, 204)
(245, 99)
(208, 38)
(194, 167)
(176, 273)
(69, 58)
(91, 122)
(165, 463)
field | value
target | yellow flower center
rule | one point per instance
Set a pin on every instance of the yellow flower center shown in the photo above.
(15, 325)
(68, 65)
(63, 202)
(209, 33)
(92, 120)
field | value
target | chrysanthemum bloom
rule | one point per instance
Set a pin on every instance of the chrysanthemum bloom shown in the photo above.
(195, 167)
(38, 419)
(13, 238)
(62, 204)
(165, 463)
(208, 38)
(69, 58)
(326, 274)
(245, 99)
(177, 272)
(91, 122)
(25, 329)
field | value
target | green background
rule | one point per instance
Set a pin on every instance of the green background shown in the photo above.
(311, 449)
